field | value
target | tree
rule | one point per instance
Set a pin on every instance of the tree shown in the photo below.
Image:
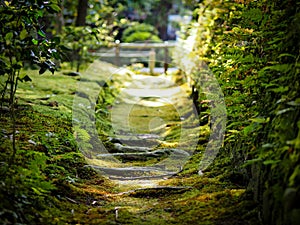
(23, 40)
(161, 11)
(82, 9)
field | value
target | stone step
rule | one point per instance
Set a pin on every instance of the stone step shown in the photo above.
(138, 149)
(158, 191)
(131, 149)
(136, 156)
(154, 191)
(134, 173)
(119, 148)
(150, 143)
(142, 140)
(143, 153)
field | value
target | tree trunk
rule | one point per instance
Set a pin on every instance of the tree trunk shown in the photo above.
(162, 12)
(60, 21)
(81, 12)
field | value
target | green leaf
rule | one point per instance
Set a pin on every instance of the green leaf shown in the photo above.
(260, 120)
(280, 89)
(267, 145)
(38, 191)
(252, 161)
(249, 129)
(279, 68)
(41, 33)
(25, 78)
(286, 55)
(23, 34)
(54, 8)
(8, 37)
(294, 178)
(268, 85)
(56, 55)
(233, 131)
(295, 142)
(271, 162)
(39, 14)
(280, 101)
(34, 41)
(284, 111)
(294, 103)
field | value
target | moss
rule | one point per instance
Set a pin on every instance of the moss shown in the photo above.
(83, 196)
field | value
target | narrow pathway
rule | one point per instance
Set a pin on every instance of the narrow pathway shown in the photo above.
(155, 129)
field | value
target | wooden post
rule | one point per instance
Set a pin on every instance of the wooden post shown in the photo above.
(152, 61)
(166, 64)
(117, 53)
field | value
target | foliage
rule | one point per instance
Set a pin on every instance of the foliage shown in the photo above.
(99, 31)
(80, 40)
(23, 40)
(253, 50)
(23, 188)
(140, 32)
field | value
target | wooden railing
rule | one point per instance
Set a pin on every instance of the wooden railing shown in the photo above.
(145, 50)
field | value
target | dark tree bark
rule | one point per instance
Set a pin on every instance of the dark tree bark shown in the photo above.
(161, 20)
(81, 12)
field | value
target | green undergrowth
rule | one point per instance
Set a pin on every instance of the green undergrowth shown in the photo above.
(40, 185)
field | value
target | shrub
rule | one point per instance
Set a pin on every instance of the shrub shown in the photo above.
(140, 32)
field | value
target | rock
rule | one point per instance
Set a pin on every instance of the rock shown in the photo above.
(53, 104)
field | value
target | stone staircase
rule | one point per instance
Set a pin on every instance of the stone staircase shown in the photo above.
(142, 115)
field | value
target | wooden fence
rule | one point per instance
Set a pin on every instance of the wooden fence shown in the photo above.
(136, 50)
